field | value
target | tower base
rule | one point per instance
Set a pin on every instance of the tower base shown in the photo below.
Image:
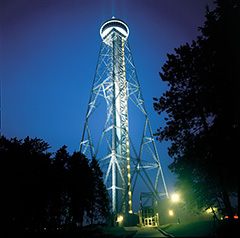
(128, 220)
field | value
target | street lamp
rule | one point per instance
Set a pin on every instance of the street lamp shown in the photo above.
(170, 212)
(175, 197)
(120, 218)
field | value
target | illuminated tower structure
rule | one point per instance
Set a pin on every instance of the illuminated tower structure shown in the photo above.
(107, 131)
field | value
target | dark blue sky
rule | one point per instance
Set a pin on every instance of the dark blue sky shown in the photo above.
(49, 51)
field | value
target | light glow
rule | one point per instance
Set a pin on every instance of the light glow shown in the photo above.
(170, 213)
(120, 218)
(175, 197)
(210, 210)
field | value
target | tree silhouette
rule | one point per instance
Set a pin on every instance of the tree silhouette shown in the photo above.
(79, 184)
(99, 205)
(58, 197)
(203, 114)
(45, 191)
(27, 166)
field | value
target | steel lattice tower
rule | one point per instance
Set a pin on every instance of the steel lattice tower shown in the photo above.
(108, 138)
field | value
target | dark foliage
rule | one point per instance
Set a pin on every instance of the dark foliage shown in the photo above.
(203, 113)
(99, 205)
(45, 192)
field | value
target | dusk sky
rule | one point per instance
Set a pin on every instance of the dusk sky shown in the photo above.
(49, 51)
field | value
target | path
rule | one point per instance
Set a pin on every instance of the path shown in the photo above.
(145, 232)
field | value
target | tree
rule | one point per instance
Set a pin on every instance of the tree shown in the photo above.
(58, 197)
(203, 114)
(79, 187)
(99, 205)
(44, 191)
(87, 194)
(27, 166)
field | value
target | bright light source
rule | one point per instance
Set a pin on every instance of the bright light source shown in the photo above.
(175, 197)
(210, 210)
(170, 212)
(235, 217)
(120, 218)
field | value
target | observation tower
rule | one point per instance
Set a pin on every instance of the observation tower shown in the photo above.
(120, 139)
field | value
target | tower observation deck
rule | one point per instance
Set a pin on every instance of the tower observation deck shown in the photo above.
(115, 87)
(114, 24)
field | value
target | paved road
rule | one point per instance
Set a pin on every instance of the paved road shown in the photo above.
(145, 232)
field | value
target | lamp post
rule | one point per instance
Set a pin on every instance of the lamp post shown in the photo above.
(175, 199)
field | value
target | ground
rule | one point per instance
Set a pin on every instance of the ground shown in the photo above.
(146, 232)
(132, 232)
(192, 229)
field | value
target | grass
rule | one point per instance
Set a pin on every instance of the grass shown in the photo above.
(191, 229)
